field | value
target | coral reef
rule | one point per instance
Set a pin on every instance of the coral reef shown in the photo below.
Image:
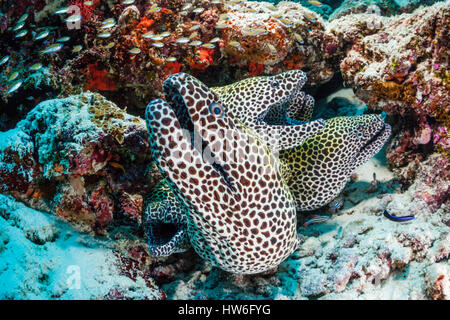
(240, 39)
(81, 157)
(400, 65)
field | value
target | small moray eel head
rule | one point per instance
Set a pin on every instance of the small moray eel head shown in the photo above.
(320, 168)
(251, 98)
(240, 214)
(164, 221)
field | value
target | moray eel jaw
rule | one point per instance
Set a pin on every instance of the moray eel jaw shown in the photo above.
(240, 214)
(164, 222)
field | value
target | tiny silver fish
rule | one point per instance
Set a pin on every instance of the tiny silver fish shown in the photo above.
(110, 45)
(221, 26)
(35, 67)
(4, 60)
(62, 10)
(18, 26)
(234, 44)
(21, 34)
(16, 85)
(171, 59)
(186, 7)
(23, 17)
(198, 10)
(128, 1)
(74, 18)
(194, 27)
(42, 35)
(108, 25)
(154, 9)
(158, 44)
(52, 48)
(63, 39)
(195, 43)
(135, 51)
(77, 49)
(209, 45)
(182, 40)
(109, 20)
(156, 37)
(214, 40)
(13, 76)
(104, 35)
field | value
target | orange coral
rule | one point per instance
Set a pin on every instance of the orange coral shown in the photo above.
(255, 68)
(99, 79)
(394, 91)
(172, 67)
(146, 23)
(202, 60)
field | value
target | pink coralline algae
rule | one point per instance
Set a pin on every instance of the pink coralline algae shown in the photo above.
(82, 158)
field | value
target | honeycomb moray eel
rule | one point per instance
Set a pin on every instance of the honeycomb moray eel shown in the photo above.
(320, 167)
(240, 215)
(253, 101)
(370, 130)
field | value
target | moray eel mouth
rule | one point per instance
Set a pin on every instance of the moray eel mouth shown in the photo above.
(376, 136)
(379, 137)
(161, 233)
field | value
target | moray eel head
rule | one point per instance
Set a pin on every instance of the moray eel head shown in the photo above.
(253, 97)
(320, 168)
(240, 214)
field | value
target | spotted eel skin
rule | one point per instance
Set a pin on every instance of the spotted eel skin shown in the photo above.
(328, 155)
(240, 214)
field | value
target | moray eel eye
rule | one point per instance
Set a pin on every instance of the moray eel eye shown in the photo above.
(216, 109)
(275, 84)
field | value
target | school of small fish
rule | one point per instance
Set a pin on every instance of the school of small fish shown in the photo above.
(158, 40)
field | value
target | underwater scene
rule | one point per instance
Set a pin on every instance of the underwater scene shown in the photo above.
(224, 150)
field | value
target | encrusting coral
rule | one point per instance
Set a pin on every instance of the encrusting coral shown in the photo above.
(400, 65)
(81, 157)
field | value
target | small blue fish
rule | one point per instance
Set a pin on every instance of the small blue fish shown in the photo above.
(397, 219)
(336, 206)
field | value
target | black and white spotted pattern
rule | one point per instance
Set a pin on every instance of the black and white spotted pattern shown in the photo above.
(240, 215)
